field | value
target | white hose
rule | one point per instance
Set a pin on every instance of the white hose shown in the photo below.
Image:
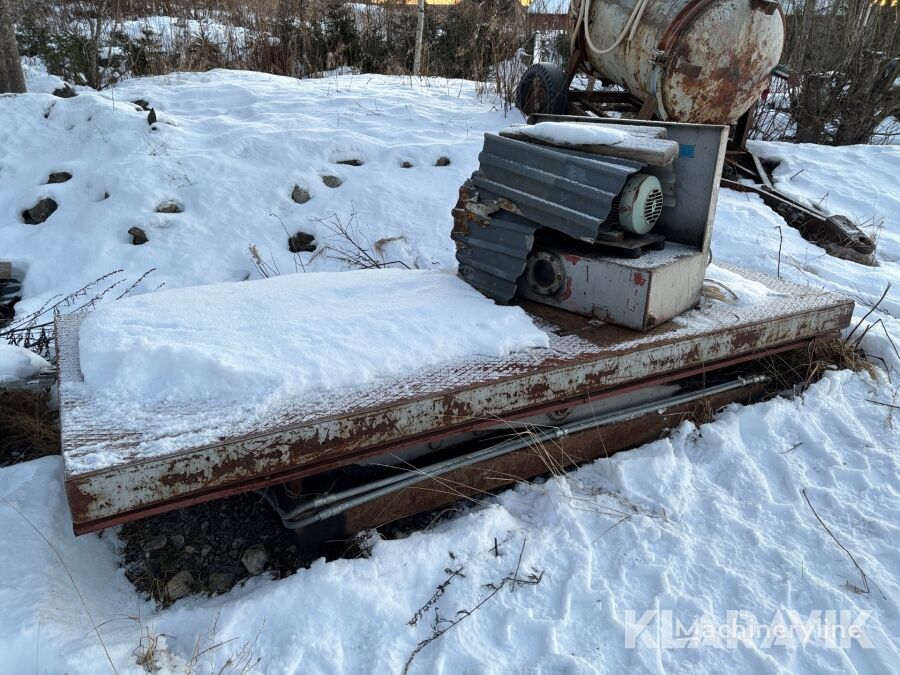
(629, 29)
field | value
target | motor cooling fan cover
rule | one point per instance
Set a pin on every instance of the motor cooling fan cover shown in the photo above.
(641, 204)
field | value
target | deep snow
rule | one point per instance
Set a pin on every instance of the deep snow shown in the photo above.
(229, 149)
(261, 342)
(709, 520)
(18, 363)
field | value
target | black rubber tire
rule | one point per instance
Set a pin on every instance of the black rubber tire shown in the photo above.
(542, 90)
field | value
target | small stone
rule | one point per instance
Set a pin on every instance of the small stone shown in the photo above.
(190, 550)
(350, 162)
(204, 525)
(138, 236)
(59, 177)
(442, 161)
(169, 206)
(220, 582)
(255, 559)
(332, 181)
(38, 213)
(205, 551)
(302, 242)
(406, 165)
(177, 540)
(155, 543)
(65, 91)
(180, 585)
(237, 542)
(299, 195)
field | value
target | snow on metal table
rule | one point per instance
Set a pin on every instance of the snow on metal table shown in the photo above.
(137, 459)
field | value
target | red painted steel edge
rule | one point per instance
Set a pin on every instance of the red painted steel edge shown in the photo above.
(278, 478)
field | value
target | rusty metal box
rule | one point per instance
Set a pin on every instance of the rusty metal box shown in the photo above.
(635, 293)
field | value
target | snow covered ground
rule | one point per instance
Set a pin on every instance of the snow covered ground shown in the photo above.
(712, 519)
(229, 149)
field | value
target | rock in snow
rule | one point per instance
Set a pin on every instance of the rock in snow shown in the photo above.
(180, 585)
(255, 559)
(302, 242)
(138, 236)
(169, 206)
(39, 213)
(300, 195)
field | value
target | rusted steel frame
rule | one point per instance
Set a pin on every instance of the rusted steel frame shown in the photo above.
(605, 97)
(278, 477)
(468, 483)
(814, 226)
(742, 130)
(576, 61)
(325, 507)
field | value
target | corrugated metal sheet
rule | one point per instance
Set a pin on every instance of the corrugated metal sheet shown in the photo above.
(571, 192)
(520, 187)
(492, 257)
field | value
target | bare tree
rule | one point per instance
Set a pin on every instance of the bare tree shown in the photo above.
(846, 52)
(11, 77)
(420, 30)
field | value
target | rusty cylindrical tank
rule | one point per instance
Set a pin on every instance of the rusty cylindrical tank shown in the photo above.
(701, 60)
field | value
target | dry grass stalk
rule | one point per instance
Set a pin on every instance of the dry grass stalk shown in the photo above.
(28, 428)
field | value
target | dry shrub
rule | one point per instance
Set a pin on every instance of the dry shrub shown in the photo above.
(846, 56)
(798, 369)
(301, 38)
(28, 427)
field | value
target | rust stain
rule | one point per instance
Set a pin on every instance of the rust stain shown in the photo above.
(240, 464)
(639, 279)
(567, 293)
(525, 464)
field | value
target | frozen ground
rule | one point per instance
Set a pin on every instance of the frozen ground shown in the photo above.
(710, 520)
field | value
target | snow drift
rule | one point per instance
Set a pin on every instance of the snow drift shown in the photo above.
(255, 341)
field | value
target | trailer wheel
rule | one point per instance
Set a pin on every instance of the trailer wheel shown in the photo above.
(542, 90)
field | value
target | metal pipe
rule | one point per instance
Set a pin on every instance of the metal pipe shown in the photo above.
(365, 493)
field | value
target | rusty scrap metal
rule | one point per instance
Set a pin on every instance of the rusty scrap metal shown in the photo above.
(328, 506)
(709, 59)
(471, 482)
(837, 234)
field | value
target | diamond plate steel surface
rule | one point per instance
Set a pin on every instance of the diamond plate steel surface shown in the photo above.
(124, 456)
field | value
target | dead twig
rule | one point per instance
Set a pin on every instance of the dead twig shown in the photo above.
(863, 575)
(71, 579)
(867, 314)
(463, 614)
(889, 405)
(441, 589)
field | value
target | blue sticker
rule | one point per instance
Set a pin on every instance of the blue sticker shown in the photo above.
(686, 151)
